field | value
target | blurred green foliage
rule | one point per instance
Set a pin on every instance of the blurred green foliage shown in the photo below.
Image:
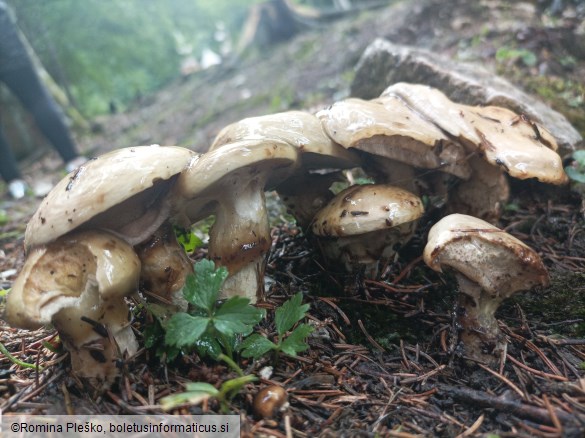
(105, 51)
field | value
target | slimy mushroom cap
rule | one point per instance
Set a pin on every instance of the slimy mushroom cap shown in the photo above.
(366, 225)
(123, 191)
(498, 262)
(297, 128)
(518, 145)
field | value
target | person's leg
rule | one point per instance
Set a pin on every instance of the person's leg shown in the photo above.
(9, 170)
(8, 165)
(25, 85)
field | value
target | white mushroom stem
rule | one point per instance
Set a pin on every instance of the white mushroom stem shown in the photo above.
(476, 319)
(78, 283)
(229, 182)
(240, 237)
(483, 195)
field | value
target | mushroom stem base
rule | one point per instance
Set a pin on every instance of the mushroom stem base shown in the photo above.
(479, 332)
(248, 282)
(109, 352)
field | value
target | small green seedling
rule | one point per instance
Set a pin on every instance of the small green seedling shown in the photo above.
(198, 392)
(286, 316)
(17, 361)
(211, 326)
(576, 171)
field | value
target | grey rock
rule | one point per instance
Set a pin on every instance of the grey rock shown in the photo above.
(384, 63)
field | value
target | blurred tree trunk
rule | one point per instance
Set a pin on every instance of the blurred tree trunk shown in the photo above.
(19, 127)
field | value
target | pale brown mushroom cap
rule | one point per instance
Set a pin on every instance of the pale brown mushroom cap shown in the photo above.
(521, 147)
(297, 128)
(365, 225)
(112, 191)
(56, 275)
(226, 169)
(487, 256)
(365, 208)
(386, 127)
(78, 283)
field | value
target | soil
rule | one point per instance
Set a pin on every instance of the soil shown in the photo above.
(384, 358)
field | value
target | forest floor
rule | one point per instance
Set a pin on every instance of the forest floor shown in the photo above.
(384, 358)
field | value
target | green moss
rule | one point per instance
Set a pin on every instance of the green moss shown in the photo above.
(564, 95)
(564, 300)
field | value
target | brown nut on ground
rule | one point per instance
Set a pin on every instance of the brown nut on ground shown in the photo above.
(365, 225)
(78, 283)
(269, 401)
(490, 265)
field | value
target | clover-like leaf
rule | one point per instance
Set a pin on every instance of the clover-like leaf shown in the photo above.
(202, 288)
(236, 315)
(290, 313)
(295, 342)
(256, 346)
(184, 329)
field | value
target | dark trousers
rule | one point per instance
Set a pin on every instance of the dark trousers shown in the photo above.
(25, 84)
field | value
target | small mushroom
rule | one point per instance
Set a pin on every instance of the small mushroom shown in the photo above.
(269, 401)
(165, 266)
(319, 157)
(78, 283)
(229, 182)
(365, 225)
(490, 265)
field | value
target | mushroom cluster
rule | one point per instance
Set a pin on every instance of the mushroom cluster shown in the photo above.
(105, 232)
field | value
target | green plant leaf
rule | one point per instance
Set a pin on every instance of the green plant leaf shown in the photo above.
(256, 346)
(196, 393)
(184, 329)
(187, 239)
(207, 345)
(236, 315)
(295, 342)
(202, 387)
(290, 313)
(579, 157)
(202, 288)
(575, 175)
